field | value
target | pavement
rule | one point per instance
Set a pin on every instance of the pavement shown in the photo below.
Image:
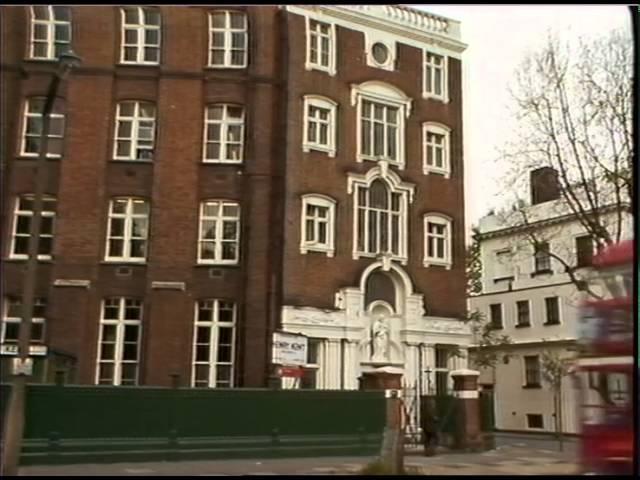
(514, 455)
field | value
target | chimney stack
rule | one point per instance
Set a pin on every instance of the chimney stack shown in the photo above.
(544, 185)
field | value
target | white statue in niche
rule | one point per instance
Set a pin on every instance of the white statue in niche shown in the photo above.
(380, 342)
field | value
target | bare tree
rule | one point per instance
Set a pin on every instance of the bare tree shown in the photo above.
(555, 368)
(573, 107)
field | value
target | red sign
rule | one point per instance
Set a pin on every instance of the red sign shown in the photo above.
(295, 372)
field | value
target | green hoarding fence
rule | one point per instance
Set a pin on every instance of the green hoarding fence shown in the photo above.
(87, 424)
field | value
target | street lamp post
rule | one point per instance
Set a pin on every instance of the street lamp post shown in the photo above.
(14, 426)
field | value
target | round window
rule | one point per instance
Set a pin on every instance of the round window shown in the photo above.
(380, 53)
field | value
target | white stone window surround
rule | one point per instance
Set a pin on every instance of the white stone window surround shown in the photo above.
(429, 148)
(118, 340)
(320, 102)
(23, 210)
(446, 222)
(559, 302)
(321, 201)
(529, 313)
(213, 342)
(135, 131)
(396, 185)
(537, 370)
(432, 69)
(314, 35)
(386, 95)
(51, 30)
(148, 21)
(373, 37)
(231, 34)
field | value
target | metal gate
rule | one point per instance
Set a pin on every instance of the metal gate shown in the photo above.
(411, 417)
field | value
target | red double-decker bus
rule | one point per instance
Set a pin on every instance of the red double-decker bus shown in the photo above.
(605, 368)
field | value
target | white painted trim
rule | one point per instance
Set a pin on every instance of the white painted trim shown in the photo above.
(52, 115)
(64, 282)
(224, 123)
(120, 324)
(363, 18)
(444, 97)
(227, 31)
(50, 23)
(372, 38)
(387, 95)
(438, 129)
(134, 139)
(321, 201)
(141, 44)
(128, 217)
(327, 104)
(396, 185)
(446, 221)
(333, 51)
(220, 219)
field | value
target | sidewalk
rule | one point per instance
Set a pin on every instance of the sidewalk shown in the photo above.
(508, 460)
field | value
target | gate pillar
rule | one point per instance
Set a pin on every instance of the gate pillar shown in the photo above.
(468, 428)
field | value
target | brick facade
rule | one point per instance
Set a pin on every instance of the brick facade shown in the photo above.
(268, 184)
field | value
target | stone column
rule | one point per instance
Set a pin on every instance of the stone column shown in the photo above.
(332, 363)
(350, 365)
(428, 362)
(468, 428)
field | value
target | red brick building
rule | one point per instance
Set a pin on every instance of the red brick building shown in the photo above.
(220, 173)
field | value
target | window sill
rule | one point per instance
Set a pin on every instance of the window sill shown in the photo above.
(306, 148)
(437, 263)
(432, 96)
(523, 325)
(327, 251)
(218, 265)
(547, 324)
(436, 171)
(319, 68)
(532, 386)
(226, 67)
(25, 258)
(35, 156)
(221, 162)
(138, 64)
(393, 163)
(541, 272)
(124, 262)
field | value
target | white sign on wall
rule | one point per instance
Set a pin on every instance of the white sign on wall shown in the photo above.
(289, 348)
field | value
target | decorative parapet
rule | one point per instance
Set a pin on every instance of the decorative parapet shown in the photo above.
(411, 18)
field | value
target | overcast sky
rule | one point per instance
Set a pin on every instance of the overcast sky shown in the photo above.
(498, 37)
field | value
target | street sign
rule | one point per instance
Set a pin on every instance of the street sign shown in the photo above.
(12, 349)
(289, 349)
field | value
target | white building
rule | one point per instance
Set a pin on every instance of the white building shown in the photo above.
(532, 299)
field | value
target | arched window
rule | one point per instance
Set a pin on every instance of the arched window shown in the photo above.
(379, 219)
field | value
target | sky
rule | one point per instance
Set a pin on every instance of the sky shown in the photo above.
(498, 38)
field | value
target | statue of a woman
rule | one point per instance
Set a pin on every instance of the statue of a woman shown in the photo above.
(380, 340)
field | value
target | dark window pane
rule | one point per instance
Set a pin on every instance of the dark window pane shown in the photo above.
(130, 351)
(12, 332)
(45, 246)
(108, 351)
(106, 373)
